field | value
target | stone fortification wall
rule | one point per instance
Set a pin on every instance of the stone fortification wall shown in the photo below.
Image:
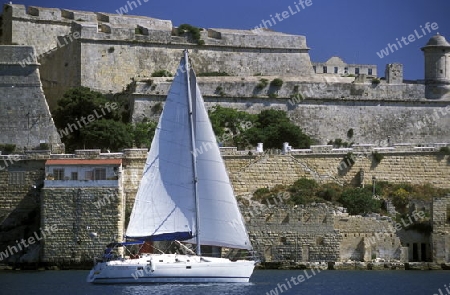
(34, 26)
(25, 118)
(294, 234)
(311, 233)
(20, 183)
(109, 50)
(400, 165)
(375, 113)
(82, 228)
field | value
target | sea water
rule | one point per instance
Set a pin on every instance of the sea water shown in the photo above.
(262, 282)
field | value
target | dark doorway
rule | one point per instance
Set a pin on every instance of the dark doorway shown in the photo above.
(423, 252)
(415, 252)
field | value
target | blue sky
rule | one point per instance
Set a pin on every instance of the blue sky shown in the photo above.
(352, 29)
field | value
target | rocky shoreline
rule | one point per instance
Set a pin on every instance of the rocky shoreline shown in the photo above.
(356, 265)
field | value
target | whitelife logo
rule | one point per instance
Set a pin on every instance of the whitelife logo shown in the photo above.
(407, 40)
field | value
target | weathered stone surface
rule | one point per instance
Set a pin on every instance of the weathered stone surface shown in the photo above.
(25, 118)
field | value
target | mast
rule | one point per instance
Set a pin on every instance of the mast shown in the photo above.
(194, 154)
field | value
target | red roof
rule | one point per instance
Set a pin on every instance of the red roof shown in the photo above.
(84, 162)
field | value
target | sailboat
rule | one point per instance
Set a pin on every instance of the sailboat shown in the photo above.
(185, 195)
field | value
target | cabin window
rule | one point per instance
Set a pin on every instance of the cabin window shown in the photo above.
(325, 70)
(58, 173)
(188, 267)
(345, 70)
(369, 71)
(315, 69)
(336, 69)
(17, 178)
(357, 71)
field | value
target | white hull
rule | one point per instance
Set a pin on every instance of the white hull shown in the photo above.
(171, 268)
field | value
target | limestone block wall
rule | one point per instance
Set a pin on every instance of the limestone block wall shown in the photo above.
(34, 26)
(366, 238)
(441, 230)
(60, 71)
(82, 227)
(133, 165)
(25, 118)
(142, 59)
(398, 112)
(294, 234)
(20, 183)
(248, 173)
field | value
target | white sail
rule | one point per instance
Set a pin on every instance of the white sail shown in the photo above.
(221, 222)
(164, 208)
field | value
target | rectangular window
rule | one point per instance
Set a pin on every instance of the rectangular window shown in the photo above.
(336, 69)
(74, 176)
(100, 174)
(17, 178)
(58, 174)
(356, 71)
(345, 70)
(369, 71)
(314, 68)
(325, 70)
(89, 175)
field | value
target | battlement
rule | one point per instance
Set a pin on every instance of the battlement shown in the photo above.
(116, 27)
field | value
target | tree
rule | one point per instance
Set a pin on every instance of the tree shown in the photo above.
(273, 128)
(87, 119)
(230, 125)
(359, 201)
(107, 134)
(143, 133)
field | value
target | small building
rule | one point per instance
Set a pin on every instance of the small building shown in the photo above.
(336, 66)
(82, 173)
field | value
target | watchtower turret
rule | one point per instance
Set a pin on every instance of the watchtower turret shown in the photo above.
(437, 68)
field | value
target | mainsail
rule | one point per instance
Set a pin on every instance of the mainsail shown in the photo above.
(165, 207)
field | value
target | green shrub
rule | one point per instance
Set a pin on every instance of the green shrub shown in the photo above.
(377, 157)
(444, 150)
(262, 84)
(277, 82)
(338, 143)
(260, 193)
(194, 31)
(7, 148)
(44, 146)
(359, 201)
(273, 95)
(376, 81)
(162, 73)
(139, 31)
(212, 74)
